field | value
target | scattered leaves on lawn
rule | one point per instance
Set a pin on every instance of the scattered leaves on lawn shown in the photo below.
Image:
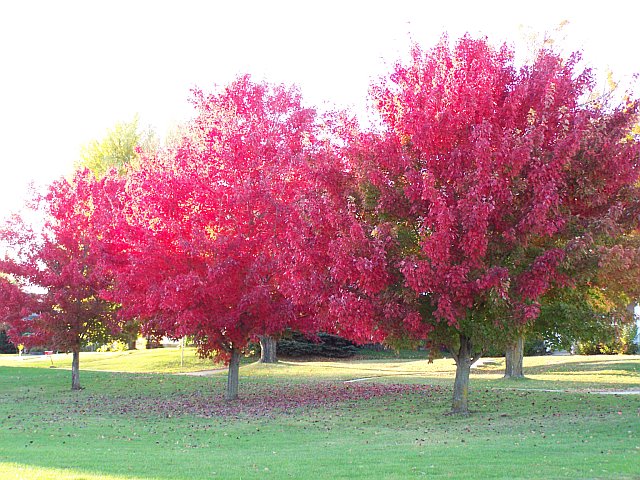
(255, 400)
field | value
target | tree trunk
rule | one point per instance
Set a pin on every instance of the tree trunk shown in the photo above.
(514, 358)
(268, 349)
(75, 371)
(232, 378)
(461, 385)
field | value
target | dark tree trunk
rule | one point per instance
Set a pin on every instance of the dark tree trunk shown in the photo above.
(268, 349)
(514, 358)
(461, 385)
(232, 378)
(131, 344)
(75, 371)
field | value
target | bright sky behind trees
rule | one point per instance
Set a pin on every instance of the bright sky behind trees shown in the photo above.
(72, 69)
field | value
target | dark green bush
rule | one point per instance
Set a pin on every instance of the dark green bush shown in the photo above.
(329, 346)
(5, 344)
(534, 347)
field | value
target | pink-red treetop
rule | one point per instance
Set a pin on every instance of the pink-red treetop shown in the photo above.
(62, 264)
(227, 233)
(496, 170)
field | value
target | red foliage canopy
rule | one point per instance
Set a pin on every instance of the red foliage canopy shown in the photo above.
(228, 233)
(495, 170)
(62, 262)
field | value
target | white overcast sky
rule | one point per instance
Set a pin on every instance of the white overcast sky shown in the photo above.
(69, 70)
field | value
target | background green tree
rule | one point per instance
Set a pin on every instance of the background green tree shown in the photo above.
(118, 148)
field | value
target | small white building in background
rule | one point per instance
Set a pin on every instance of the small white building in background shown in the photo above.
(636, 313)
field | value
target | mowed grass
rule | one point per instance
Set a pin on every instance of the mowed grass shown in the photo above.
(160, 360)
(300, 420)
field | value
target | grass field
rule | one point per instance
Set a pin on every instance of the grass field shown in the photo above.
(137, 419)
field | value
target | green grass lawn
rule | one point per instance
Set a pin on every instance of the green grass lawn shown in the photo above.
(160, 360)
(300, 420)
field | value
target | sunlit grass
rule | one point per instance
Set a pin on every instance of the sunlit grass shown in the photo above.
(159, 360)
(14, 471)
(577, 371)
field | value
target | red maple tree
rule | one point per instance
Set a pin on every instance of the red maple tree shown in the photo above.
(226, 234)
(61, 261)
(488, 174)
